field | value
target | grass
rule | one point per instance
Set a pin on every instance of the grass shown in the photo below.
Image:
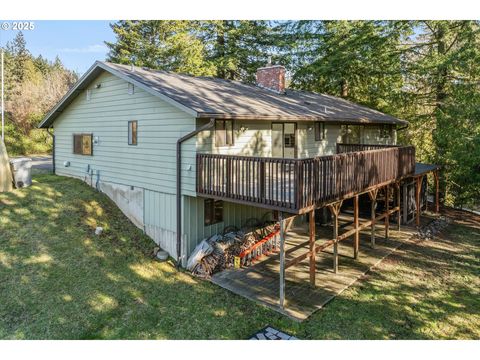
(59, 281)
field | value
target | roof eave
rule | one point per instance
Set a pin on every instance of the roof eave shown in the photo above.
(299, 118)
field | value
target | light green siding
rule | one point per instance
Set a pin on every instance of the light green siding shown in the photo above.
(254, 138)
(124, 171)
(251, 138)
(161, 219)
(308, 147)
(151, 164)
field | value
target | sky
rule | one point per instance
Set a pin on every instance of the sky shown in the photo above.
(78, 43)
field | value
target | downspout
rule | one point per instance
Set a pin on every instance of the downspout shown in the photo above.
(210, 125)
(53, 149)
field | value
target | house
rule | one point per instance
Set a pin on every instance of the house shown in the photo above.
(184, 157)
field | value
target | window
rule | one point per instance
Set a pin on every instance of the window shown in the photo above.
(132, 132)
(89, 94)
(352, 134)
(224, 132)
(385, 131)
(213, 211)
(131, 89)
(82, 144)
(319, 131)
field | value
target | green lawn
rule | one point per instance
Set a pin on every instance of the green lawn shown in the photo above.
(59, 281)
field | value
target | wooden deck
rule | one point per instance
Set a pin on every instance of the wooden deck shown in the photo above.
(260, 282)
(299, 185)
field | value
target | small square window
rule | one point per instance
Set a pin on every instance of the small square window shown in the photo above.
(223, 133)
(132, 132)
(89, 94)
(131, 89)
(213, 211)
(82, 144)
(319, 131)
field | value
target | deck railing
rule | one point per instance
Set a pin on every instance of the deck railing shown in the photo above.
(296, 185)
(344, 148)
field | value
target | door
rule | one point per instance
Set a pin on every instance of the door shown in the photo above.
(284, 140)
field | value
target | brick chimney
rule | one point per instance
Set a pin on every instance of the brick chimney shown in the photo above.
(272, 78)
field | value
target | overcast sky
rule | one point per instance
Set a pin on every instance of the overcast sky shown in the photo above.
(77, 43)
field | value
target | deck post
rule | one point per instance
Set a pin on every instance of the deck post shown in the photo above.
(373, 197)
(282, 259)
(437, 191)
(356, 243)
(399, 212)
(387, 210)
(312, 247)
(418, 190)
(335, 209)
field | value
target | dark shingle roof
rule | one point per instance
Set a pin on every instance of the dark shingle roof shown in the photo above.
(212, 97)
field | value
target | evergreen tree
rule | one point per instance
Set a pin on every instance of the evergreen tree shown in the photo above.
(444, 73)
(17, 48)
(238, 48)
(165, 45)
(357, 60)
(226, 49)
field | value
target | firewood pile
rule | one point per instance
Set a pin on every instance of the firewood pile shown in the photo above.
(218, 252)
(429, 231)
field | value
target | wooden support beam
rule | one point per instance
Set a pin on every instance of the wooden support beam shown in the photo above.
(335, 209)
(399, 213)
(289, 223)
(282, 259)
(335, 243)
(418, 190)
(345, 235)
(356, 242)
(373, 197)
(312, 247)
(387, 208)
(436, 176)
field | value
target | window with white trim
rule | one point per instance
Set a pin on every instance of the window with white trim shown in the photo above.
(132, 132)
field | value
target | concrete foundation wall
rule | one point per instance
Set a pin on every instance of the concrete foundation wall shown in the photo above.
(128, 198)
